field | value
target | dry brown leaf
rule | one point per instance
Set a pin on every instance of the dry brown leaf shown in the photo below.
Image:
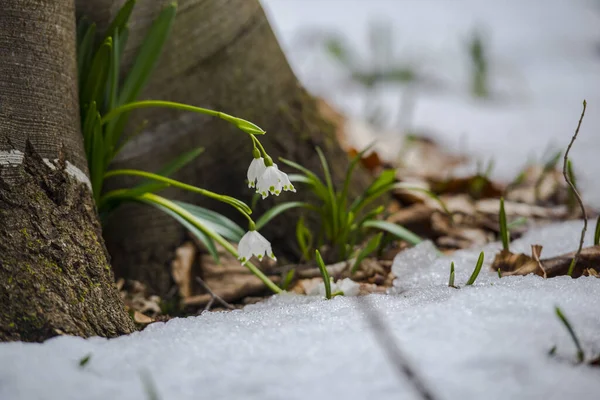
(140, 318)
(454, 233)
(476, 186)
(422, 157)
(521, 264)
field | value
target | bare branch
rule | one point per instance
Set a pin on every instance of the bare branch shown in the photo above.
(214, 296)
(575, 192)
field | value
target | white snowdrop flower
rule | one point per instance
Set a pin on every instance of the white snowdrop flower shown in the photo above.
(254, 244)
(270, 182)
(285, 182)
(255, 170)
(273, 181)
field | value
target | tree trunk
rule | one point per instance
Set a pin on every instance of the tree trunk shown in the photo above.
(222, 54)
(54, 274)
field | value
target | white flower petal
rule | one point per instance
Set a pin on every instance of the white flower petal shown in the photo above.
(254, 244)
(269, 182)
(255, 170)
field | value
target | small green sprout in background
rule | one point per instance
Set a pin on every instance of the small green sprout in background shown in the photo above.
(567, 324)
(324, 274)
(597, 232)
(479, 65)
(86, 359)
(451, 279)
(504, 234)
(499, 274)
(476, 271)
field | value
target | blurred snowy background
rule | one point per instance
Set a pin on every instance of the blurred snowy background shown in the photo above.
(501, 81)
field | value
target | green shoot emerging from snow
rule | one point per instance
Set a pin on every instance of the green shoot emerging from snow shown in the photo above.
(567, 324)
(597, 232)
(324, 274)
(504, 234)
(451, 279)
(476, 271)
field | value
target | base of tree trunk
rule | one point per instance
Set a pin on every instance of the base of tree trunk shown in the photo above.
(55, 277)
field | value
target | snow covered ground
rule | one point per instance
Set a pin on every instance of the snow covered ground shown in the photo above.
(488, 341)
(544, 59)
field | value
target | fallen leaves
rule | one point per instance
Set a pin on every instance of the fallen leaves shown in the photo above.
(588, 263)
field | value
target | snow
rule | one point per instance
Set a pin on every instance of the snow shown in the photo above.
(489, 340)
(544, 60)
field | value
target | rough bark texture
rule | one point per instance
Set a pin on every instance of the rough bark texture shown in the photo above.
(54, 274)
(222, 54)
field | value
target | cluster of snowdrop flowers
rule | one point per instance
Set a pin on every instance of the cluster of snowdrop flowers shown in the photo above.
(268, 178)
(265, 177)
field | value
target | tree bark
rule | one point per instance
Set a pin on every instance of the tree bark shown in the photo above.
(222, 54)
(54, 273)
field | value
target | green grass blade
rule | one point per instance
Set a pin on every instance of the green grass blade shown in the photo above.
(215, 221)
(350, 171)
(503, 226)
(451, 279)
(85, 52)
(300, 178)
(331, 202)
(567, 324)
(476, 271)
(275, 211)
(396, 230)
(142, 67)
(319, 187)
(304, 238)
(94, 86)
(120, 21)
(113, 74)
(597, 232)
(371, 246)
(96, 163)
(324, 274)
(200, 235)
(184, 159)
(287, 280)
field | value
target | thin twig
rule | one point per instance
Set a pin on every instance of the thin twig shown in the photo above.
(574, 189)
(214, 296)
(387, 341)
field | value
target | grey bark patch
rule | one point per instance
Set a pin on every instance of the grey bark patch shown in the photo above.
(54, 272)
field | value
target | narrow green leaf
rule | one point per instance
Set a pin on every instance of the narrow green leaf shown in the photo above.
(304, 238)
(120, 21)
(113, 74)
(451, 279)
(85, 51)
(370, 247)
(94, 86)
(319, 187)
(394, 229)
(387, 177)
(477, 269)
(199, 234)
(324, 274)
(597, 232)
(275, 211)
(142, 67)
(215, 221)
(288, 279)
(344, 193)
(299, 178)
(97, 165)
(567, 324)
(499, 274)
(184, 159)
(503, 226)
(331, 202)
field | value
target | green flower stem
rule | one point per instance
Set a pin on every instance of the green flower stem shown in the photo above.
(268, 159)
(242, 124)
(218, 238)
(238, 204)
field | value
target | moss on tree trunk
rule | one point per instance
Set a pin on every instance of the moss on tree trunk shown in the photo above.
(54, 272)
